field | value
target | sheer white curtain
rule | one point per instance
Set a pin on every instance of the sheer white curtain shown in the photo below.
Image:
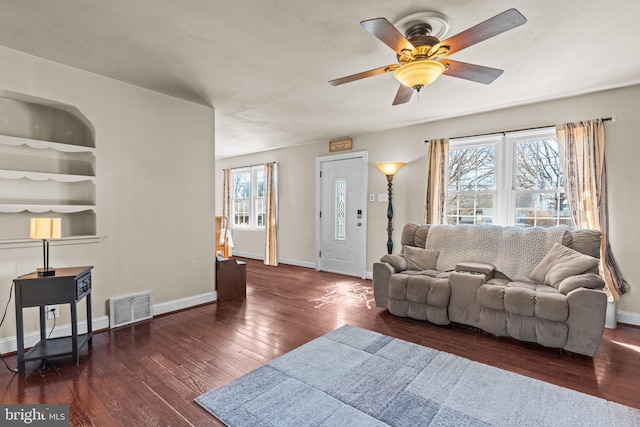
(584, 171)
(437, 176)
(271, 226)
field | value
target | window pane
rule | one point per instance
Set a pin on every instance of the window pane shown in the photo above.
(261, 213)
(341, 211)
(260, 190)
(538, 165)
(471, 169)
(470, 209)
(241, 212)
(242, 185)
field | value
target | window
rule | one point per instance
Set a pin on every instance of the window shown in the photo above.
(510, 179)
(341, 210)
(248, 203)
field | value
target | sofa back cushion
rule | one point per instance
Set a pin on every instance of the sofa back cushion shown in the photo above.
(559, 263)
(420, 259)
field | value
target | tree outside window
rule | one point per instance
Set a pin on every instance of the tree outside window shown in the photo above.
(471, 192)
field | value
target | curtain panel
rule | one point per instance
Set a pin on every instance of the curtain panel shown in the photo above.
(437, 177)
(584, 169)
(271, 225)
(226, 193)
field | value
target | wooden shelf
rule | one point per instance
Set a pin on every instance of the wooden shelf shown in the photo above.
(36, 143)
(15, 208)
(43, 176)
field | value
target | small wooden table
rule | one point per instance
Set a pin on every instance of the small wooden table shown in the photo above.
(68, 286)
(231, 278)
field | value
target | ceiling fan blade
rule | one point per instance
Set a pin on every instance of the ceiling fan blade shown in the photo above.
(475, 73)
(403, 96)
(388, 34)
(364, 74)
(505, 21)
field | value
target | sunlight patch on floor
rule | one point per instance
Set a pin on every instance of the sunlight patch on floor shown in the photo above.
(354, 293)
(629, 346)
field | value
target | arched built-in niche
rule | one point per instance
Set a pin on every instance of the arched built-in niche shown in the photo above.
(47, 166)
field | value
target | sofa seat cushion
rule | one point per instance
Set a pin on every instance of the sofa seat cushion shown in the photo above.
(552, 306)
(520, 300)
(491, 296)
(419, 296)
(524, 299)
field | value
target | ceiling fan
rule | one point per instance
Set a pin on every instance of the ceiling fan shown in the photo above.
(419, 53)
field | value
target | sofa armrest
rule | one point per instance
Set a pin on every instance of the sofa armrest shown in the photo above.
(463, 303)
(382, 272)
(587, 313)
(587, 280)
(476, 268)
(397, 261)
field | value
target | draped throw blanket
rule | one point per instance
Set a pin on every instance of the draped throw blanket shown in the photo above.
(523, 248)
(582, 152)
(271, 225)
(437, 174)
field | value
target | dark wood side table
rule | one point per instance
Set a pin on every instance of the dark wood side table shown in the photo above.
(231, 278)
(68, 286)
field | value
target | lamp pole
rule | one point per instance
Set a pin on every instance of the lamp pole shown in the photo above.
(390, 214)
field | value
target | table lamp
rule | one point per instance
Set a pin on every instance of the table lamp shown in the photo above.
(45, 229)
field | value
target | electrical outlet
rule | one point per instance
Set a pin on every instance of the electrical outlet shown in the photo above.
(53, 311)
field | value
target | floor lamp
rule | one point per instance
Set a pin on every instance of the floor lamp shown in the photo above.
(389, 169)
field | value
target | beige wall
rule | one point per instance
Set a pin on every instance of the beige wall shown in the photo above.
(297, 177)
(155, 189)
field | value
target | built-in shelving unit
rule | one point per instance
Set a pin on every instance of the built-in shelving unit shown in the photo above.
(47, 167)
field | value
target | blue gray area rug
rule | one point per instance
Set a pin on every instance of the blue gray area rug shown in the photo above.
(356, 377)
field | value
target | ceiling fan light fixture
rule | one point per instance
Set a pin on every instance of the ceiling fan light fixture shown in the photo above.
(419, 74)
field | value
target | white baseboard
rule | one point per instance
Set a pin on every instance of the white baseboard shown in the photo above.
(628, 317)
(280, 260)
(182, 303)
(9, 344)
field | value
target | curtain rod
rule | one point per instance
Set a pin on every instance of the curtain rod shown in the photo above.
(251, 166)
(606, 119)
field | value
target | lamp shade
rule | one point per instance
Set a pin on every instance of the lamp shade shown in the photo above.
(45, 228)
(389, 168)
(418, 74)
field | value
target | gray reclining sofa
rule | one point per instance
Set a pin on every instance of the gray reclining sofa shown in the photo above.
(534, 284)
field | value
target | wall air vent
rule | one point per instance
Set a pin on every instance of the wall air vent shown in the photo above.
(130, 309)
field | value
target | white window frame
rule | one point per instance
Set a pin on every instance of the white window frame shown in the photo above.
(253, 197)
(505, 166)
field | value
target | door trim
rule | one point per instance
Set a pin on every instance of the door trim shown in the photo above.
(364, 155)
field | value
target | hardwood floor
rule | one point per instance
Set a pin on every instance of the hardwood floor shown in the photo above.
(149, 373)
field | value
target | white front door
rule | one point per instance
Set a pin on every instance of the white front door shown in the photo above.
(342, 214)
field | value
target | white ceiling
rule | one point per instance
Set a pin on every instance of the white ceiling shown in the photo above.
(264, 64)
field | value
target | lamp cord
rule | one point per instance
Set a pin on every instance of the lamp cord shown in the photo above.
(1, 322)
